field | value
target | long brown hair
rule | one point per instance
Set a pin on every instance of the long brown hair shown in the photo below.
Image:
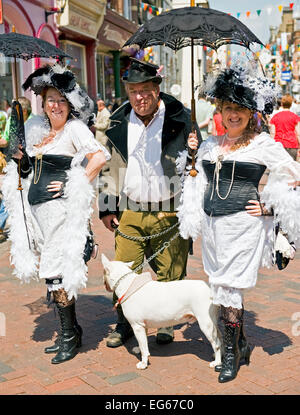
(253, 128)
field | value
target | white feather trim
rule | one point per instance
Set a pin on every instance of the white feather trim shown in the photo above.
(79, 195)
(285, 202)
(25, 260)
(190, 211)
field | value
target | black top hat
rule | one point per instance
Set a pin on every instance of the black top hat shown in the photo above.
(140, 71)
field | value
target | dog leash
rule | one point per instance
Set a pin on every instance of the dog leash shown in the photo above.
(141, 266)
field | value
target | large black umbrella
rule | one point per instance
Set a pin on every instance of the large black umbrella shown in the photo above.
(189, 26)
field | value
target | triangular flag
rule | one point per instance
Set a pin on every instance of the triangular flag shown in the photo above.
(258, 12)
(280, 8)
(238, 15)
(145, 6)
(248, 14)
(269, 9)
(291, 5)
(150, 10)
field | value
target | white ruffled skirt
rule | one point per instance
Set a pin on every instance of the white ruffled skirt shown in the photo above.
(232, 251)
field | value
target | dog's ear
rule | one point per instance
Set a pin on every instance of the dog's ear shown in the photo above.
(105, 261)
(129, 264)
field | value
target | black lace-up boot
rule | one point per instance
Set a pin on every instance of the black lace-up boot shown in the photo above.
(244, 346)
(55, 347)
(69, 339)
(231, 357)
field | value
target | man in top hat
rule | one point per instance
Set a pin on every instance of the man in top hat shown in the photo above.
(143, 189)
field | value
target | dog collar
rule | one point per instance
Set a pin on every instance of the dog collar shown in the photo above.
(137, 283)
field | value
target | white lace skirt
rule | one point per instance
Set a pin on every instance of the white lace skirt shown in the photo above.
(232, 248)
(49, 218)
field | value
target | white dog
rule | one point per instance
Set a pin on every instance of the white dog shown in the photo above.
(148, 303)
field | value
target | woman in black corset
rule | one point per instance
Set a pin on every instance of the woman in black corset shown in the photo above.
(223, 203)
(61, 161)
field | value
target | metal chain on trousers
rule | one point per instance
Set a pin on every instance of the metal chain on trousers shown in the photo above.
(164, 246)
(148, 237)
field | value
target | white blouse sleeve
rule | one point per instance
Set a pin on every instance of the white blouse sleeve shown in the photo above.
(278, 160)
(278, 194)
(190, 211)
(84, 142)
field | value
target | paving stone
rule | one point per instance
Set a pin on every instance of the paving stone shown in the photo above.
(124, 377)
(4, 368)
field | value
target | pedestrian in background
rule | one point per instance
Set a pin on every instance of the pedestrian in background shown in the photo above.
(285, 127)
(102, 122)
(204, 115)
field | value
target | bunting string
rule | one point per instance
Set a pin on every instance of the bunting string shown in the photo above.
(248, 13)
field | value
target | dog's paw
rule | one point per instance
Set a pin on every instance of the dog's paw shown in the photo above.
(141, 365)
(214, 363)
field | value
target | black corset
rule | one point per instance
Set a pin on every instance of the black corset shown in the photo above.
(244, 186)
(47, 169)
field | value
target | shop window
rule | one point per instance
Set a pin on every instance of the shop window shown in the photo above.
(6, 82)
(105, 77)
(127, 9)
(78, 63)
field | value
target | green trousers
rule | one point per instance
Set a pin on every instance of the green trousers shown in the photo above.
(170, 264)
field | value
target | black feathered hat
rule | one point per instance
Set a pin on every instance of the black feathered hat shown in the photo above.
(257, 93)
(62, 79)
(140, 71)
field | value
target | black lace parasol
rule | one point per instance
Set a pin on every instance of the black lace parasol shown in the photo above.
(25, 47)
(185, 26)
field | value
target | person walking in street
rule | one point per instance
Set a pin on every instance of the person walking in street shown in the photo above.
(141, 197)
(50, 244)
(204, 115)
(285, 127)
(102, 122)
(237, 236)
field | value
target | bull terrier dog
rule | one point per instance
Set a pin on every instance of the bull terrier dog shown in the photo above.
(147, 303)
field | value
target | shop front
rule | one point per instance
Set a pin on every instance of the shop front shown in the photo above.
(78, 26)
(112, 61)
(26, 17)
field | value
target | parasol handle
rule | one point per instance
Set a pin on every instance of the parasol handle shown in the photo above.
(193, 171)
(19, 171)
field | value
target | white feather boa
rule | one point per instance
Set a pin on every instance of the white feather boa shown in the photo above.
(285, 202)
(24, 259)
(190, 211)
(79, 196)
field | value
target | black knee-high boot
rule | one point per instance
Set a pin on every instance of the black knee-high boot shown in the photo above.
(244, 346)
(231, 357)
(69, 338)
(55, 347)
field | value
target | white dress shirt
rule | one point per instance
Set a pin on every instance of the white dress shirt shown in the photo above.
(144, 180)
